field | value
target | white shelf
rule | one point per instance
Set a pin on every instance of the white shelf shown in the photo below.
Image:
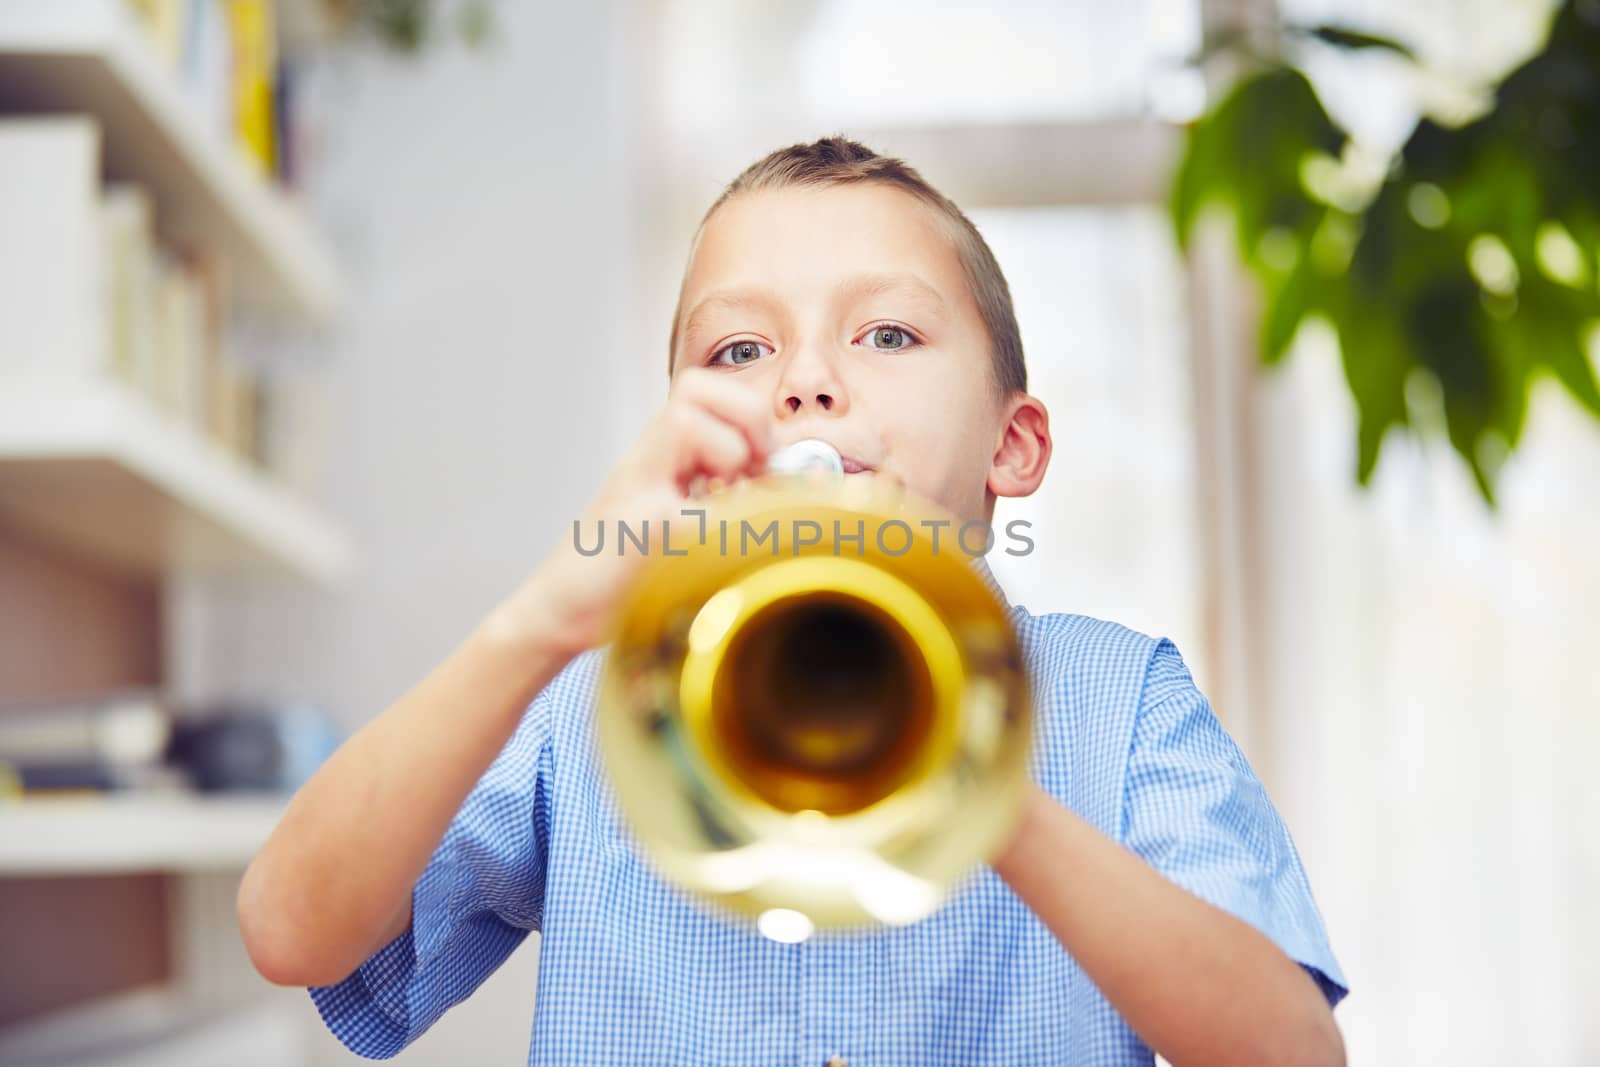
(158, 1026)
(122, 835)
(94, 57)
(91, 467)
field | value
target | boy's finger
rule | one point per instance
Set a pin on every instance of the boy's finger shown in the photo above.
(736, 404)
(705, 445)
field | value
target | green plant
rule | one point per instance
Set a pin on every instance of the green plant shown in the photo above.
(409, 25)
(1473, 265)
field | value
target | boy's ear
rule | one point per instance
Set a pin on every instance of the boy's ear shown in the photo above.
(1023, 451)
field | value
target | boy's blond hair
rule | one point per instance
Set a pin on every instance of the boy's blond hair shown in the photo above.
(838, 161)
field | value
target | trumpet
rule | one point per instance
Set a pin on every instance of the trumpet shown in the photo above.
(813, 714)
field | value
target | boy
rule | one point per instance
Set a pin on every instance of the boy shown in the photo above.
(1150, 899)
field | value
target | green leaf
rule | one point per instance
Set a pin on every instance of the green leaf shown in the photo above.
(1201, 172)
(403, 25)
(1378, 244)
(1372, 348)
(475, 22)
(1550, 330)
(1354, 40)
(1247, 154)
(1288, 303)
(1485, 388)
(1398, 288)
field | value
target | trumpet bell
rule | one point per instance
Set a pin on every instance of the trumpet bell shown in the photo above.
(817, 714)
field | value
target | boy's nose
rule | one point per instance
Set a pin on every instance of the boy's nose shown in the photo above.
(810, 382)
(822, 400)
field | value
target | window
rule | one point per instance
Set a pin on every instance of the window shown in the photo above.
(1434, 695)
(817, 66)
(1099, 298)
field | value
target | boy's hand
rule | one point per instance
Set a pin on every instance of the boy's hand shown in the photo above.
(709, 428)
(447, 730)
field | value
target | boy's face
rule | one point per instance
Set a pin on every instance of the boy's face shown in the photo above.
(847, 310)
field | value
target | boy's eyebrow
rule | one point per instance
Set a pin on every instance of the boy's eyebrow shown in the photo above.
(731, 299)
(861, 285)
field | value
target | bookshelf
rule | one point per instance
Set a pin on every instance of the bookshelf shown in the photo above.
(87, 464)
(154, 1026)
(92, 467)
(126, 835)
(93, 57)
(112, 484)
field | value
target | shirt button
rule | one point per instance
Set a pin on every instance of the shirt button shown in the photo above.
(836, 1061)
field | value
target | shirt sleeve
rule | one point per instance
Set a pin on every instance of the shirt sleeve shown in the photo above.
(1196, 811)
(481, 893)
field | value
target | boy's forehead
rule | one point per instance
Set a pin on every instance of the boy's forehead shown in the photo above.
(796, 237)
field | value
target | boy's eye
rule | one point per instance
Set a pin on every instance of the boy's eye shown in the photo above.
(737, 354)
(887, 338)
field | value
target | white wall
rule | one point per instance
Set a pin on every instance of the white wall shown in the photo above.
(481, 204)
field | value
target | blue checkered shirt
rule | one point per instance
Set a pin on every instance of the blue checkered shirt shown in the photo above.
(631, 971)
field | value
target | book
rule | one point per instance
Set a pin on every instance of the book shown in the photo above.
(164, 21)
(127, 250)
(254, 67)
(292, 428)
(178, 385)
(247, 429)
(110, 741)
(222, 409)
(117, 729)
(93, 776)
(50, 283)
(206, 68)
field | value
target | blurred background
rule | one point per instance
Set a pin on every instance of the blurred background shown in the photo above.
(319, 322)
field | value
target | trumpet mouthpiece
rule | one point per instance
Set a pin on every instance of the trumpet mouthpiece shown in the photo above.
(804, 456)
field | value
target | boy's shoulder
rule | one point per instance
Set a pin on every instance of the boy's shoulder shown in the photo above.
(1070, 626)
(578, 680)
(1092, 681)
(1057, 644)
